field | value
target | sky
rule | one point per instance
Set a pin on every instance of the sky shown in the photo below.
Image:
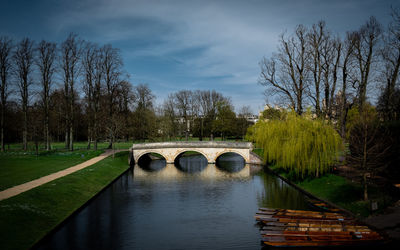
(184, 44)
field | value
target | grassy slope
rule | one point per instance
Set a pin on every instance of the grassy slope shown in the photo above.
(337, 190)
(18, 167)
(26, 218)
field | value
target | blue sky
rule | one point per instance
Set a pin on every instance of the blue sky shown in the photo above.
(175, 45)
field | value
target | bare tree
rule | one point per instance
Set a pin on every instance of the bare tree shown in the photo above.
(70, 58)
(89, 57)
(126, 99)
(23, 58)
(144, 118)
(348, 48)
(208, 102)
(391, 60)
(183, 102)
(6, 46)
(316, 38)
(365, 47)
(337, 53)
(331, 52)
(46, 63)
(286, 73)
(112, 68)
(369, 144)
(170, 126)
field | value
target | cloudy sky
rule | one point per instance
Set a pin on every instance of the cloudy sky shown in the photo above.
(184, 44)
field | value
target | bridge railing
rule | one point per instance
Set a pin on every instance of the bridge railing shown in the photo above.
(194, 144)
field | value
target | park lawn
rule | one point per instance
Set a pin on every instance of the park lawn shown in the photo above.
(28, 217)
(82, 145)
(20, 167)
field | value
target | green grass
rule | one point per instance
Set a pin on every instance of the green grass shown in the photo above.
(17, 147)
(345, 194)
(61, 146)
(20, 167)
(26, 218)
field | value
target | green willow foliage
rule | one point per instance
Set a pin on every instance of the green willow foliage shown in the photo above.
(306, 147)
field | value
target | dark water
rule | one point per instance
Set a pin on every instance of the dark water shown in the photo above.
(189, 206)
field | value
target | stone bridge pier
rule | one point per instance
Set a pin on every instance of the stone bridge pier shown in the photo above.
(211, 150)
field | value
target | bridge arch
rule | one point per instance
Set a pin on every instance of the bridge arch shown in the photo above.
(231, 151)
(149, 152)
(182, 151)
(211, 150)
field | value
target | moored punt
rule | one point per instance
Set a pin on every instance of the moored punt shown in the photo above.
(285, 227)
(323, 206)
(297, 214)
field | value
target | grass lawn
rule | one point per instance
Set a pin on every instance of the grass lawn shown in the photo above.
(346, 194)
(26, 218)
(342, 192)
(20, 167)
(61, 146)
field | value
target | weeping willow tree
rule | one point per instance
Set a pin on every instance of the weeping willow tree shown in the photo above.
(297, 143)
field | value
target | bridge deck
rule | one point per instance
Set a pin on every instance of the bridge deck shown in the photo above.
(193, 144)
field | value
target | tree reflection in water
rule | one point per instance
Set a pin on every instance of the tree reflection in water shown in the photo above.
(279, 194)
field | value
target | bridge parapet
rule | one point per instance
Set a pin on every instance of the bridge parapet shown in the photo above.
(209, 149)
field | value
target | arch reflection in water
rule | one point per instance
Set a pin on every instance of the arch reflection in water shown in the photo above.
(230, 162)
(191, 162)
(172, 173)
(151, 162)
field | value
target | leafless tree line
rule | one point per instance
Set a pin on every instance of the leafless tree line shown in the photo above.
(53, 75)
(201, 113)
(314, 67)
(78, 90)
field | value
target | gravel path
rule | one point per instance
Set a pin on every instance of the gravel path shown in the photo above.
(10, 192)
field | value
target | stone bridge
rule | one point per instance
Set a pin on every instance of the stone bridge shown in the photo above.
(211, 150)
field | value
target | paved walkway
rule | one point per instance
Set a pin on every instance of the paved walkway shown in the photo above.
(10, 192)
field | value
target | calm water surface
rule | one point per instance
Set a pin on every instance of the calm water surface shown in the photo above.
(189, 206)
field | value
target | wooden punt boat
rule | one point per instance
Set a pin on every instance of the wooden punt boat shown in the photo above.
(285, 227)
(323, 206)
(299, 214)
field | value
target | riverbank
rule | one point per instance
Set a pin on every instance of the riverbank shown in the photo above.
(20, 167)
(28, 217)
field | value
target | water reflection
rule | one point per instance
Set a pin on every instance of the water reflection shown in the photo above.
(279, 194)
(191, 164)
(172, 172)
(151, 163)
(167, 208)
(230, 162)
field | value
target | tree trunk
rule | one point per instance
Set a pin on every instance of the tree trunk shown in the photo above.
(364, 162)
(47, 127)
(66, 138)
(94, 133)
(47, 135)
(365, 186)
(2, 128)
(71, 123)
(201, 130)
(25, 129)
(89, 137)
(71, 138)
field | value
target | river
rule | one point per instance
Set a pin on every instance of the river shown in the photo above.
(189, 206)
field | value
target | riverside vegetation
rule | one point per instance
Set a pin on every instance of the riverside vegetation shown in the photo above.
(41, 209)
(306, 151)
